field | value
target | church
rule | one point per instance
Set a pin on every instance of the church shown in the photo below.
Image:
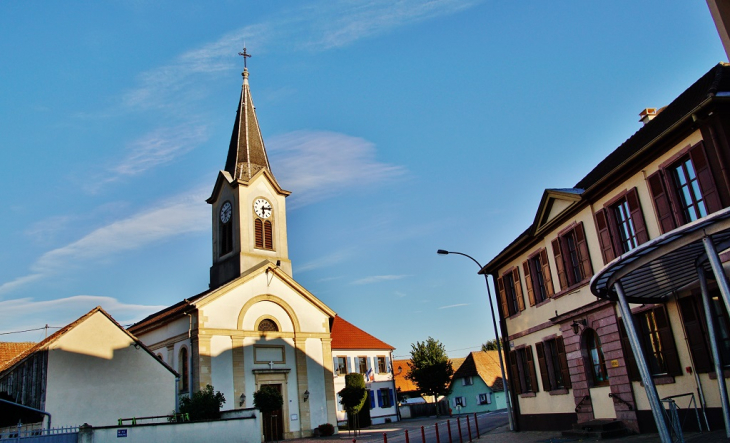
(255, 325)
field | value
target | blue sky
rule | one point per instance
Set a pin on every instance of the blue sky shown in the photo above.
(401, 127)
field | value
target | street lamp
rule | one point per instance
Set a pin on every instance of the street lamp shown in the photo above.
(496, 335)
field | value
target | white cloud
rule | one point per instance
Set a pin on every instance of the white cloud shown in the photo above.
(177, 216)
(323, 262)
(454, 306)
(378, 279)
(26, 313)
(159, 147)
(322, 164)
(347, 21)
(312, 27)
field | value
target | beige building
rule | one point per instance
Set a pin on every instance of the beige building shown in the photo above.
(90, 371)
(255, 325)
(570, 358)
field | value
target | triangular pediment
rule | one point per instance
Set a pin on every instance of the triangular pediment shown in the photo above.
(272, 271)
(553, 203)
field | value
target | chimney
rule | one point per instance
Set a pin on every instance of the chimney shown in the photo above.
(647, 115)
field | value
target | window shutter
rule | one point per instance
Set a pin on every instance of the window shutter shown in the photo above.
(669, 350)
(563, 361)
(259, 232)
(544, 375)
(518, 289)
(583, 255)
(334, 365)
(696, 329)
(637, 216)
(662, 206)
(503, 297)
(380, 398)
(531, 368)
(390, 396)
(367, 363)
(372, 399)
(546, 276)
(514, 373)
(528, 282)
(268, 235)
(463, 401)
(559, 264)
(387, 364)
(631, 367)
(489, 397)
(604, 236)
(704, 176)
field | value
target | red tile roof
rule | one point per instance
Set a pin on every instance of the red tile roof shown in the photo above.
(10, 350)
(345, 335)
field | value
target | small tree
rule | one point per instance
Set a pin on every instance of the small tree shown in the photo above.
(490, 345)
(430, 368)
(268, 399)
(203, 405)
(353, 395)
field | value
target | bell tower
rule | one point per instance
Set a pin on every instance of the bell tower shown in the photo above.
(248, 205)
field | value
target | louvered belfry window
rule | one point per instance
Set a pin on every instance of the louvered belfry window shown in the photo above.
(263, 233)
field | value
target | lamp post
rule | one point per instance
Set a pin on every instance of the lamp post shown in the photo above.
(496, 336)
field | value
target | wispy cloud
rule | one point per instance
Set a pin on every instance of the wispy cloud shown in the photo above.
(323, 262)
(174, 217)
(159, 147)
(313, 27)
(26, 313)
(322, 164)
(454, 306)
(346, 21)
(378, 279)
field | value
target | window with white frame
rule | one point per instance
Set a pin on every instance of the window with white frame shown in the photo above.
(341, 365)
(467, 381)
(485, 399)
(382, 369)
(459, 402)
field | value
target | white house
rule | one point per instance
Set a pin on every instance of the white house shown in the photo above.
(90, 371)
(356, 351)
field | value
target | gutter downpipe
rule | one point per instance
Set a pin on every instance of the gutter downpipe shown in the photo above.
(177, 395)
(657, 409)
(31, 409)
(713, 345)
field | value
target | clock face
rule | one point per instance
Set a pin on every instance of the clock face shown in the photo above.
(226, 211)
(262, 208)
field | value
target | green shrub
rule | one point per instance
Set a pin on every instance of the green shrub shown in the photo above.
(203, 405)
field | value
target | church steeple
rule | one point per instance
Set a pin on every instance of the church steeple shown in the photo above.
(249, 207)
(246, 152)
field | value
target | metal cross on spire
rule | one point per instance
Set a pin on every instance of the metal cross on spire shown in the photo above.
(245, 55)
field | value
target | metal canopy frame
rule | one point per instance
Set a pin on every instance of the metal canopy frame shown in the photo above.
(655, 271)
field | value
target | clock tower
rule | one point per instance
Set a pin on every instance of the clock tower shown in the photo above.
(248, 205)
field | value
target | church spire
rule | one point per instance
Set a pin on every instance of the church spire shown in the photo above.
(246, 152)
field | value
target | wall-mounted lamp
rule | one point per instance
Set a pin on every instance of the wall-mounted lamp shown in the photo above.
(306, 395)
(400, 369)
(577, 324)
(242, 400)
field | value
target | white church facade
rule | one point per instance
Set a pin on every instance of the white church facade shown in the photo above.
(256, 325)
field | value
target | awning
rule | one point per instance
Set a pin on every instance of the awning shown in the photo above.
(668, 263)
